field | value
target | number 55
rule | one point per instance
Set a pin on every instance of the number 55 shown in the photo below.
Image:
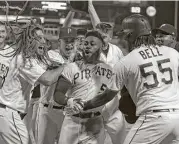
(161, 69)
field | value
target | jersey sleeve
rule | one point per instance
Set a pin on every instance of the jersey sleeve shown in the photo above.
(119, 53)
(55, 56)
(31, 71)
(68, 72)
(120, 76)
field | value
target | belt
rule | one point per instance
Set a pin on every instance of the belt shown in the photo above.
(164, 110)
(22, 115)
(87, 115)
(55, 107)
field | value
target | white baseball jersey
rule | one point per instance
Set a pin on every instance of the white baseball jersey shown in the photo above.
(87, 79)
(5, 59)
(47, 92)
(113, 56)
(151, 77)
(19, 83)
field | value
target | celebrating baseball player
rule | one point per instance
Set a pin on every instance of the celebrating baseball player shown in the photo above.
(6, 53)
(166, 35)
(150, 74)
(111, 54)
(50, 114)
(84, 80)
(26, 69)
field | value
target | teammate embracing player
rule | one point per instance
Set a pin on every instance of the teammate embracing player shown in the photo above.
(6, 53)
(111, 54)
(83, 80)
(27, 67)
(150, 74)
(50, 114)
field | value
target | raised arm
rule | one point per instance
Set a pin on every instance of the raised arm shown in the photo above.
(68, 19)
(50, 76)
(93, 15)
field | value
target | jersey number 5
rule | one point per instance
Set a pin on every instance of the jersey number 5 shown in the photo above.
(161, 69)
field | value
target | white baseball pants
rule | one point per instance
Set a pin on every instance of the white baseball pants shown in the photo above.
(48, 124)
(12, 128)
(82, 131)
(153, 128)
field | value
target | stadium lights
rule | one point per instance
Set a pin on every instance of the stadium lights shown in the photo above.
(25, 19)
(20, 18)
(151, 11)
(54, 5)
(135, 9)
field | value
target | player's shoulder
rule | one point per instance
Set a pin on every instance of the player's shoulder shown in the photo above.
(168, 50)
(55, 56)
(52, 53)
(115, 48)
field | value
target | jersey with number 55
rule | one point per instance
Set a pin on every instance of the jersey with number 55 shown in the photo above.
(151, 76)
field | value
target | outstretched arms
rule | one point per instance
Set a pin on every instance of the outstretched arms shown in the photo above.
(100, 99)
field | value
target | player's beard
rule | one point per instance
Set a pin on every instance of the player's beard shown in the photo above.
(94, 58)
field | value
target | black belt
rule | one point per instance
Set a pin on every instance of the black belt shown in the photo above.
(164, 110)
(87, 115)
(55, 107)
(22, 115)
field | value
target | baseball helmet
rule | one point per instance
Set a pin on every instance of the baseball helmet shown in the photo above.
(135, 25)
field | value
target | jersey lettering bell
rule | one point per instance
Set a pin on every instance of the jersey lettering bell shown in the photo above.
(149, 53)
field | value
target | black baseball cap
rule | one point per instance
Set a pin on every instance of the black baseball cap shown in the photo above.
(81, 31)
(167, 29)
(67, 32)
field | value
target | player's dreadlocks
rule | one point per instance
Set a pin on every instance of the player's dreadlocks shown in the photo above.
(27, 42)
(147, 40)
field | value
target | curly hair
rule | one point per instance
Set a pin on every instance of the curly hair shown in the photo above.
(26, 43)
(147, 40)
(25, 38)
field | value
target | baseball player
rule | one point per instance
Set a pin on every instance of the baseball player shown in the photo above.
(6, 53)
(111, 54)
(50, 114)
(83, 80)
(150, 74)
(166, 34)
(114, 120)
(26, 69)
